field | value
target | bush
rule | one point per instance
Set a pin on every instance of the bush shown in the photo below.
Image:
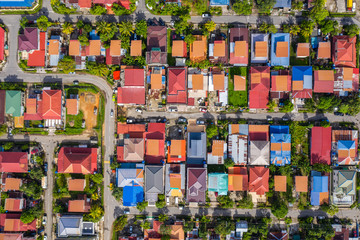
(279, 209)
(120, 223)
(225, 202)
(216, 11)
(117, 193)
(97, 10)
(161, 201)
(243, 7)
(245, 203)
(141, 206)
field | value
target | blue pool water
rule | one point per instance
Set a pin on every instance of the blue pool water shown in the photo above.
(16, 3)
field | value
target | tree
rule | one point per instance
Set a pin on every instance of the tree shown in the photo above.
(288, 106)
(119, 10)
(98, 69)
(126, 28)
(96, 213)
(188, 226)
(36, 173)
(319, 12)
(163, 217)
(145, 225)
(264, 27)
(32, 189)
(87, 28)
(225, 201)
(224, 228)
(141, 28)
(265, 6)
(106, 30)
(329, 26)
(320, 167)
(279, 209)
(117, 193)
(243, 7)
(141, 206)
(43, 23)
(97, 178)
(189, 39)
(211, 131)
(23, 22)
(67, 28)
(84, 40)
(271, 105)
(161, 201)
(205, 219)
(97, 10)
(294, 30)
(120, 223)
(80, 24)
(67, 64)
(8, 145)
(297, 5)
(229, 163)
(208, 27)
(165, 230)
(181, 26)
(27, 216)
(306, 28)
(351, 30)
(245, 203)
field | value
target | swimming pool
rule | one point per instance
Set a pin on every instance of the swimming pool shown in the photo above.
(16, 3)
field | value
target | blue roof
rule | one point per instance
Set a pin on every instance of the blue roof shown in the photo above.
(219, 2)
(320, 184)
(275, 38)
(282, 157)
(243, 129)
(132, 195)
(196, 147)
(279, 129)
(20, 3)
(94, 35)
(303, 73)
(283, 4)
(346, 144)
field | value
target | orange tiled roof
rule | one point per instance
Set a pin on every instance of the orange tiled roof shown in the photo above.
(136, 48)
(324, 50)
(74, 48)
(198, 48)
(54, 47)
(31, 105)
(176, 147)
(241, 49)
(72, 106)
(261, 49)
(239, 83)
(175, 180)
(197, 81)
(77, 206)
(77, 185)
(218, 148)
(282, 49)
(218, 80)
(303, 50)
(326, 75)
(178, 48)
(12, 184)
(94, 47)
(156, 81)
(177, 232)
(297, 85)
(280, 183)
(219, 48)
(115, 47)
(301, 183)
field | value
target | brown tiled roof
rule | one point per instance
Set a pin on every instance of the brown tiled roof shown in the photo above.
(14, 204)
(301, 183)
(297, 85)
(241, 48)
(54, 47)
(77, 206)
(12, 184)
(282, 49)
(177, 232)
(31, 105)
(303, 50)
(198, 48)
(197, 81)
(218, 148)
(326, 75)
(94, 47)
(74, 48)
(219, 48)
(324, 50)
(261, 49)
(239, 83)
(280, 183)
(178, 48)
(218, 80)
(156, 81)
(136, 48)
(77, 185)
(72, 106)
(115, 47)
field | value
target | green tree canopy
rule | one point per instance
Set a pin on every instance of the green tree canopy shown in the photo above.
(319, 12)
(265, 6)
(32, 189)
(106, 30)
(23, 22)
(126, 28)
(163, 217)
(117, 193)
(120, 223)
(97, 178)
(224, 228)
(67, 28)
(329, 26)
(279, 209)
(351, 30)
(243, 7)
(141, 28)
(67, 64)
(84, 40)
(306, 28)
(225, 202)
(97, 10)
(98, 69)
(141, 206)
(145, 224)
(43, 23)
(36, 173)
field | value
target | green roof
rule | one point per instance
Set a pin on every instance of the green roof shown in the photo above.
(13, 103)
(218, 182)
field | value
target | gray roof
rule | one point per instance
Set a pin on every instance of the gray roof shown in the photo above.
(130, 176)
(154, 182)
(70, 226)
(196, 145)
(88, 228)
(346, 182)
(259, 153)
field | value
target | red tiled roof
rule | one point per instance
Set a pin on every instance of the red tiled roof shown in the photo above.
(177, 85)
(259, 180)
(2, 42)
(116, 75)
(84, 3)
(320, 145)
(134, 77)
(324, 81)
(258, 99)
(10, 222)
(14, 204)
(259, 87)
(125, 4)
(120, 153)
(344, 51)
(131, 129)
(131, 95)
(37, 58)
(51, 104)
(156, 131)
(16, 162)
(77, 160)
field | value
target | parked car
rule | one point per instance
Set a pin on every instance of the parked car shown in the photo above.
(130, 120)
(338, 114)
(161, 22)
(204, 110)
(181, 120)
(285, 118)
(111, 113)
(45, 237)
(205, 15)
(45, 167)
(44, 220)
(95, 110)
(200, 122)
(138, 110)
(269, 118)
(76, 82)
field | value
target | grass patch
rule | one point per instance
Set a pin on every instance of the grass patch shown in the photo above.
(39, 131)
(342, 14)
(77, 119)
(297, 61)
(170, 59)
(237, 98)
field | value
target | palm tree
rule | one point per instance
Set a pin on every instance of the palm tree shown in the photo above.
(163, 217)
(210, 26)
(106, 30)
(68, 28)
(23, 22)
(126, 28)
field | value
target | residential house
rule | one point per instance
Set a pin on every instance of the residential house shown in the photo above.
(219, 2)
(197, 87)
(74, 226)
(238, 179)
(239, 46)
(10, 222)
(280, 183)
(198, 49)
(324, 50)
(280, 84)
(323, 81)
(2, 106)
(302, 82)
(80, 205)
(72, 105)
(156, 45)
(15, 202)
(320, 145)
(131, 179)
(341, 232)
(240, 83)
(157, 80)
(11, 184)
(3, 34)
(343, 187)
(155, 143)
(175, 180)
(301, 183)
(154, 232)
(218, 47)
(196, 148)
(136, 48)
(13, 103)
(114, 53)
(319, 189)
(283, 235)
(259, 145)
(241, 227)
(218, 183)
(13, 162)
(12, 236)
(259, 48)
(76, 185)
(176, 151)
(344, 51)
(179, 49)
(303, 50)
(28, 40)
(258, 183)
(154, 184)
(238, 143)
(133, 150)
(218, 82)
(133, 90)
(346, 80)
(54, 50)
(32, 46)
(196, 185)
(45, 106)
(280, 153)
(259, 87)
(344, 146)
(280, 48)
(177, 231)
(177, 92)
(219, 152)
(77, 160)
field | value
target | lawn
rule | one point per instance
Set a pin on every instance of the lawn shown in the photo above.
(171, 60)
(294, 61)
(237, 98)
(77, 119)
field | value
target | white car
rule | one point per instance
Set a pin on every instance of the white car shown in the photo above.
(138, 110)
(44, 220)
(45, 237)
(112, 113)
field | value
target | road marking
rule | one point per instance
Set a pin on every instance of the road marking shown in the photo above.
(106, 161)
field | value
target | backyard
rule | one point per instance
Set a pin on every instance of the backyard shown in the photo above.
(237, 98)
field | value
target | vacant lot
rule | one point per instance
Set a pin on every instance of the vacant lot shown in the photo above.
(88, 102)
